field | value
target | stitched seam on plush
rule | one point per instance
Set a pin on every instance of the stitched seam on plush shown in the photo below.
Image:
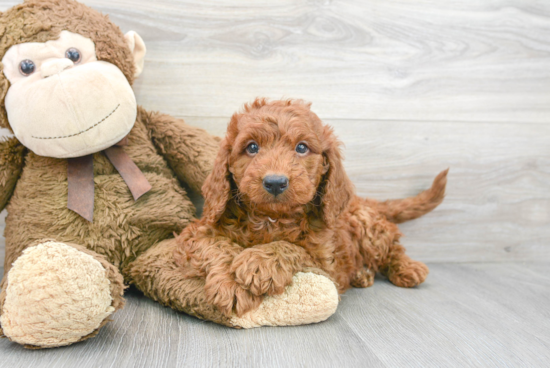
(84, 131)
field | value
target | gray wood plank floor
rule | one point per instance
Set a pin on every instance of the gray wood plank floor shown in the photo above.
(465, 315)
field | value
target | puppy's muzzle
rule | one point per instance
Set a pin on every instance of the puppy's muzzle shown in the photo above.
(275, 184)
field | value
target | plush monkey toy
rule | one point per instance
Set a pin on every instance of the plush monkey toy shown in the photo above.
(92, 184)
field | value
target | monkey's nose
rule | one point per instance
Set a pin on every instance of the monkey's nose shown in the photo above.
(275, 184)
(55, 66)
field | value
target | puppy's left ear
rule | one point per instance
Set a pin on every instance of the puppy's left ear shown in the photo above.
(137, 47)
(337, 188)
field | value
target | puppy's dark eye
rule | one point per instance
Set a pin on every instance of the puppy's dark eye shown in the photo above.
(26, 67)
(73, 55)
(252, 148)
(301, 148)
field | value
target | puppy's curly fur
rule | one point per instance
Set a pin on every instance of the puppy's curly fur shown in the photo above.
(249, 243)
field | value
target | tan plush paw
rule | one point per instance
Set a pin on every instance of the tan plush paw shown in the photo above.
(55, 296)
(309, 299)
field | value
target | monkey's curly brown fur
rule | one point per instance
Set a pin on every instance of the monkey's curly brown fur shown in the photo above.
(249, 243)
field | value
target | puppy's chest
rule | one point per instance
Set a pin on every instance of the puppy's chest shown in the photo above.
(255, 233)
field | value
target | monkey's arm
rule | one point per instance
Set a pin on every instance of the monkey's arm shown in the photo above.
(12, 155)
(190, 151)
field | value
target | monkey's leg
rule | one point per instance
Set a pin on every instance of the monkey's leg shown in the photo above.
(311, 297)
(56, 294)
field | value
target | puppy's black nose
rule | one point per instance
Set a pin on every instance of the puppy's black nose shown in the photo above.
(275, 184)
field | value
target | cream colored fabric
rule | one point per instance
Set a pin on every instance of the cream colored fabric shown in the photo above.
(65, 109)
(42, 52)
(310, 298)
(137, 46)
(55, 295)
(54, 66)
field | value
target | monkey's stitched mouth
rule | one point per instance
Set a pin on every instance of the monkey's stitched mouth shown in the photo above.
(85, 130)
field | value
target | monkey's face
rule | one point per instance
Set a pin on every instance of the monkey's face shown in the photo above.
(62, 101)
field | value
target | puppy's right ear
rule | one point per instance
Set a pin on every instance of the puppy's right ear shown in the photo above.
(217, 186)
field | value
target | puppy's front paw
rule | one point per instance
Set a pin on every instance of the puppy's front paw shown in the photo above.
(223, 292)
(261, 272)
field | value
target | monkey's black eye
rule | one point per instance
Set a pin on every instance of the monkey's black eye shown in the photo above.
(73, 55)
(26, 67)
(301, 148)
(252, 148)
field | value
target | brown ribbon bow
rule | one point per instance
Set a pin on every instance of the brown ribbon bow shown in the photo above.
(81, 179)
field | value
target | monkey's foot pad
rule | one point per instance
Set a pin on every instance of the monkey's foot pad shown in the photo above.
(55, 296)
(309, 299)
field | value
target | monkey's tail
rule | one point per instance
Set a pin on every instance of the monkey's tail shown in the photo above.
(401, 210)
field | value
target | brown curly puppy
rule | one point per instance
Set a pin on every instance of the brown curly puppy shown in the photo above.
(278, 201)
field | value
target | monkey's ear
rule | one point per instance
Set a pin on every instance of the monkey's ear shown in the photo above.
(137, 47)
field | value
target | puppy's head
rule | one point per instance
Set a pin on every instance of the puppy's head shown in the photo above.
(278, 157)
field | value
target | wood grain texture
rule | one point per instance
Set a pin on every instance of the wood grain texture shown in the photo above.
(467, 315)
(422, 60)
(411, 88)
(355, 59)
